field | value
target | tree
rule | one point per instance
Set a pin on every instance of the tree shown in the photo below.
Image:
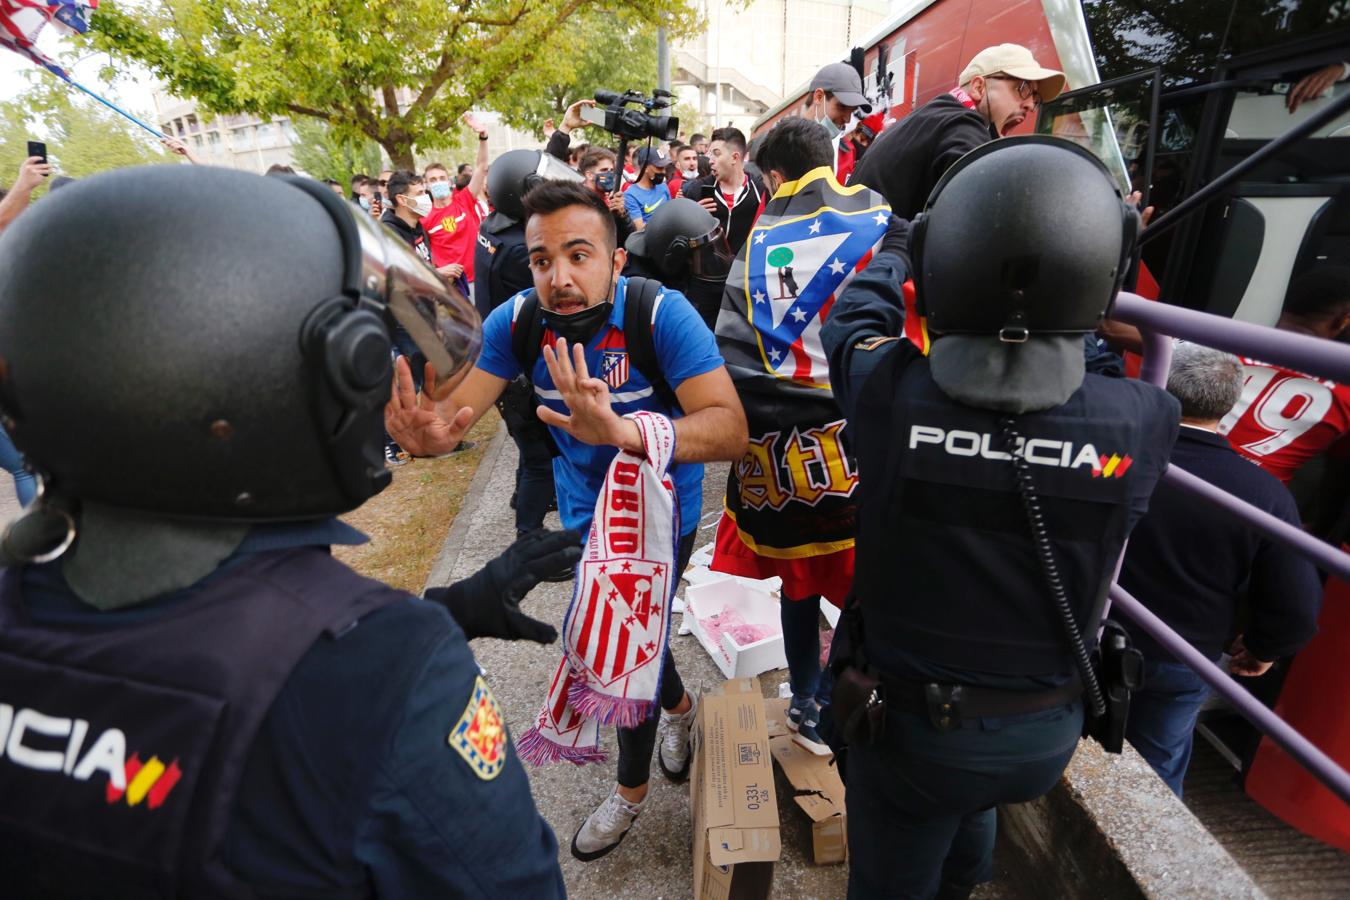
(82, 137)
(397, 72)
(322, 155)
(604, 51)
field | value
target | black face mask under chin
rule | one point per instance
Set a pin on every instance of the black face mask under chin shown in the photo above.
(579, 327)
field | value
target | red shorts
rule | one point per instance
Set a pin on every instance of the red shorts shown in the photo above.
(829, 575)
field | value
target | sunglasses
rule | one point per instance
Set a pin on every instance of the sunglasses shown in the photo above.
(1025, 89)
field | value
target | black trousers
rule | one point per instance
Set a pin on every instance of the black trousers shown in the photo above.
(636, 744)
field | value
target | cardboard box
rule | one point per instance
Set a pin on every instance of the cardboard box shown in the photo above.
(756, 605)
(735, 811)
(819, 790)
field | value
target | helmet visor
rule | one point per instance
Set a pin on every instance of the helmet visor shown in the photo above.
(710, 256)
(551, 168)
(438, 318)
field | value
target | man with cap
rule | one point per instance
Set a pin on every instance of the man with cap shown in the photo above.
(645, 195)
(1002, 481)
(197, 699)
(999, 90)
(836, 91)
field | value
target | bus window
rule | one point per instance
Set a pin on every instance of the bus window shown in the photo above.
(1183, 38)
(1111, 120)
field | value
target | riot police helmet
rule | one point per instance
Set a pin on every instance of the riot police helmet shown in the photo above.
(515, 172)
(1019, 252)
(1022, 236)
(197, 361)
(682, 238)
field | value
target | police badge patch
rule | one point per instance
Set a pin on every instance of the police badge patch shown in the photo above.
(480, 734)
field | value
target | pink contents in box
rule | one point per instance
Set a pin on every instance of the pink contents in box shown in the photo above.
(730, 621)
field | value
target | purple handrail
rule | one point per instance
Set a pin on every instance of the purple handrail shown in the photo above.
(1279, 731)
(1329, 359)
(1159, 322)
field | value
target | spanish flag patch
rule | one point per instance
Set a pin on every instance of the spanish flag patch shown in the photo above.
(480, 734)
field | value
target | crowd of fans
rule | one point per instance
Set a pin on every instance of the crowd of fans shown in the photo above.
(1232, 593)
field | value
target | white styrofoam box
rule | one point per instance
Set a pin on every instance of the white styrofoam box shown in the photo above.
(831, 612)
(756, 605)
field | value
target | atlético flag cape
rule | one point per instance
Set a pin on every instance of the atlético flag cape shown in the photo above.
(789, 503)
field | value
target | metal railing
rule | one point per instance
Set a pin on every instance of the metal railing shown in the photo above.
(1159, 323)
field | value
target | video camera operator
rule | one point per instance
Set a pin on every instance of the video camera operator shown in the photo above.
(241, 712)
(1001, 481)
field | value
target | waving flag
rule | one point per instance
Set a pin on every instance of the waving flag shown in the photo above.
(789, 501)
(21, 21)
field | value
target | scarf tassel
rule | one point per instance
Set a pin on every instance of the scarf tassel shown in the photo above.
(538, 750)
(621, 712)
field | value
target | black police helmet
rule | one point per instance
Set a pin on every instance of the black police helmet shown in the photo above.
(206, 343)
(1022, 236)
(515, 172)
(682, 237)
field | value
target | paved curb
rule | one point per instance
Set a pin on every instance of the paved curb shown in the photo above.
(454, 541)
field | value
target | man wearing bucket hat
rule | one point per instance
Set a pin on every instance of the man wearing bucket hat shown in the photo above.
(999, 90)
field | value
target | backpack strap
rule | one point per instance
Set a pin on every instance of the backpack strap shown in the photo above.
(639, 325)
(527, 331)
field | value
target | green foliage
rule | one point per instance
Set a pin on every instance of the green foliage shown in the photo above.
(82, 136)
(322, 155)
(398, 72)
(595, 50)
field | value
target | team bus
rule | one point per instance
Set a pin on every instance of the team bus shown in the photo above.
(1171, 95)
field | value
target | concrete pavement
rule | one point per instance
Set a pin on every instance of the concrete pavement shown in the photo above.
(655, 860)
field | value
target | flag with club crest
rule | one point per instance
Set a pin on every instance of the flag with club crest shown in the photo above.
(789, 501)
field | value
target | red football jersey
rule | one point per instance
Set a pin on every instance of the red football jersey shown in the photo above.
(1285, 418)
(452, 231)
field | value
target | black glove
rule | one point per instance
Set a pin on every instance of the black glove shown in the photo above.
(896, 240)
(487, 603)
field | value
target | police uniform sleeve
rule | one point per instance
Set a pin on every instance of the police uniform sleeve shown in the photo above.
(451, 812)
(685, 347)
(867, 319)
(496, 357)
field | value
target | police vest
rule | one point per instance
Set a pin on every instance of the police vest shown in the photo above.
(946, 570)
(121, 748)
(501, 266)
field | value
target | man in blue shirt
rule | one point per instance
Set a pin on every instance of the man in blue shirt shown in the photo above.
(573, 254)
(645, 196)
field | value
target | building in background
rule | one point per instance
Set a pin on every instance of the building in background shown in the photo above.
(252, 144)
(750, 57)
(237, 142)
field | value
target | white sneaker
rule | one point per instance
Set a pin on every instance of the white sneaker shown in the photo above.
(672, 749)
(605, 828)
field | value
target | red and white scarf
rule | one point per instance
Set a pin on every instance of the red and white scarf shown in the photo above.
(616, 628)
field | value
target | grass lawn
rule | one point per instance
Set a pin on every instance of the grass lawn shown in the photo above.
(407, 521)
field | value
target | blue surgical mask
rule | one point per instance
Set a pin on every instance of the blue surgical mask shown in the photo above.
(365, 203)
(439, 190)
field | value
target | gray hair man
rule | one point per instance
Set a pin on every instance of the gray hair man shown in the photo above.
(1190, 564)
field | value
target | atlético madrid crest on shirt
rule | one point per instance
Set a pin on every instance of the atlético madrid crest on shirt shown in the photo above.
(480, 734)
(614, 368)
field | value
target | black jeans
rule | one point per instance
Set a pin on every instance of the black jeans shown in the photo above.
(921, 801)
(636, 744)
(534, 480)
